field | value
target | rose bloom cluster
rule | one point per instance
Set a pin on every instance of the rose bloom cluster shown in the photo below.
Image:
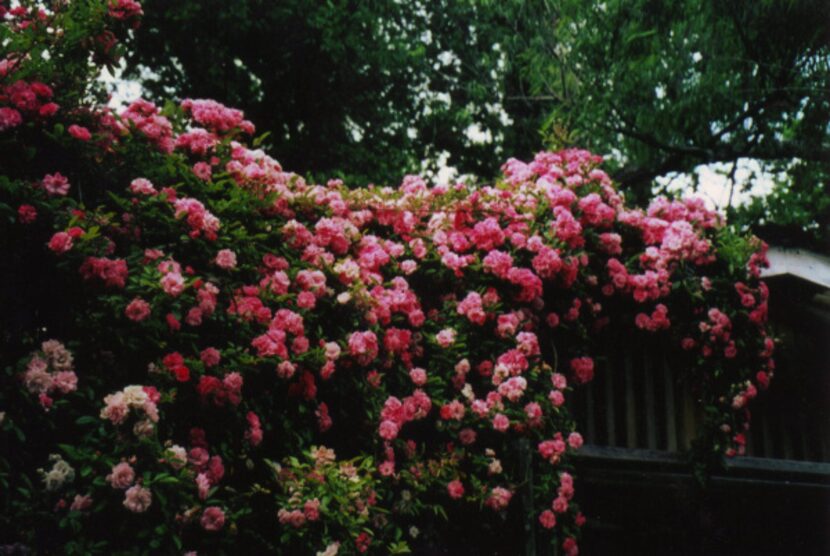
(235, 319)
(50, 372)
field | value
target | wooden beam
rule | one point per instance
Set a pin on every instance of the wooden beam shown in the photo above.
(800, 263)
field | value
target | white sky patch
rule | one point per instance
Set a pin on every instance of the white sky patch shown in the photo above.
(714, 183)
(122, 91)
(477, 135)
(445, 174)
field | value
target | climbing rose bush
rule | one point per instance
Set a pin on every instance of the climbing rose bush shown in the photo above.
(204, 351)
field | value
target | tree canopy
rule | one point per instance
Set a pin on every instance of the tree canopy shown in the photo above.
(386, 88)
(372, 86)
(673, 85)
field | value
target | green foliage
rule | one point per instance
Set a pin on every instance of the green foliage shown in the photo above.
(365, 90)
(671, 85)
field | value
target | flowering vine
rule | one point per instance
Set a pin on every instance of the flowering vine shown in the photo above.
(256, 353)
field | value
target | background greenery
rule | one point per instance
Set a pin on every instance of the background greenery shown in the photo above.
(377, 87)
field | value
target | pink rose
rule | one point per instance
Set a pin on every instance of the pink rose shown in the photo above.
(213, 518)
(61, 242)
(122, 476)
(560, 505)
(575, 440)
(142, 186)
(418, 376)
(583, 369)
(445, 337)
(363, 346)
(499, 498)
(455, 489)
(202, 486)
(388, 430)
(500, 422)
(55, 184)
(81, 503)
(226, 259)
(137, 310)
(547, 519)
(210, 356)
(311, 509)
(173, 283)
(79, 132)
(137, 499)
(26, 214)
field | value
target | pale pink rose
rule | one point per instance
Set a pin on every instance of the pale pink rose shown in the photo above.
(36, 378)
(388, 430)
(408, 266)
(445, 337)
(115, 408)
(55, 184)
(332, 350)
(81, 503)
(173, 283)
(59, 357)
(65, 381)
(559, 381)
(202, 485)
(575, 440)
(226, 259)
(500, 422)
(178, 456)
(122, 476)
(418, 376)
(499, 498)
(286, 369)
(142, 186)
(137, 499)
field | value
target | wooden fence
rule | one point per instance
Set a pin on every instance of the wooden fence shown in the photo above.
(639, 400)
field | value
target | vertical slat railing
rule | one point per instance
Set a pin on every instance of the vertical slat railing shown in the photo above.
(671, 410)
(630, 404)
(591, 428)
(610, 402)
(650, 409)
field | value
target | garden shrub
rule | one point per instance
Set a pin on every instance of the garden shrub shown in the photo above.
(204, 352)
